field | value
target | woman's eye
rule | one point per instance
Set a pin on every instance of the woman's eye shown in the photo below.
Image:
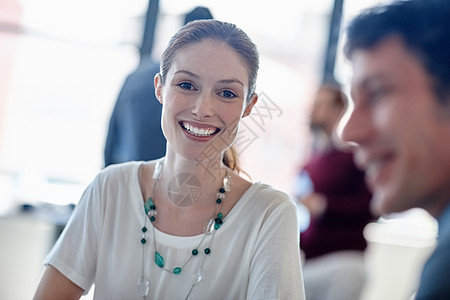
(228, 94)
(186, 85)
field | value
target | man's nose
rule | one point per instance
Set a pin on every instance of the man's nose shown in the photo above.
(358, 127)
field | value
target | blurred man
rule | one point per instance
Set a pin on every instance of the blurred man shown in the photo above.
(338, 203)
(401, 119)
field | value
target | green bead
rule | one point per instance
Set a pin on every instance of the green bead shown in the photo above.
(218, 201)
(207, 251)
(194, 252)
(220, 215)
(152, 219)
(159, 260)
(177, 270)
(149, 205)
(143, 241)
(144, 229)
(216, 226)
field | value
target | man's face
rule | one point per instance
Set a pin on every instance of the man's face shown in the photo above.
(325, 113)
(401, 131)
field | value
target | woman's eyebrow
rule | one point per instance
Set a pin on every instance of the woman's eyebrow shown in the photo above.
(187, 73)
(231, 81)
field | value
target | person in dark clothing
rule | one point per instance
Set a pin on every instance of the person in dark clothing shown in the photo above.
(134, 131)
(135, 125)
(338, 202)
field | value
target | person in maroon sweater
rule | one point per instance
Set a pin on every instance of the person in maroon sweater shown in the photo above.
(339, 205)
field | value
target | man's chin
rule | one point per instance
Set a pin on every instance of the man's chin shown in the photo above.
(380, 204)
(376, 204)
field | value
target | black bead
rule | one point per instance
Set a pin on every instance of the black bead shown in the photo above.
(194, 252)
(152, 219)
(143, 241)
(144, 229)
(152, 207)
(207, 251)
(219, 200)
(218, 221)
(222, 190)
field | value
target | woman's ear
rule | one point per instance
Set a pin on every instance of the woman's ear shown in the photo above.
(158, 87)
(250, 104)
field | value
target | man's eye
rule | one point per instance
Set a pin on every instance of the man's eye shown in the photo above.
(377, 94)
(228, 94)
(186, 85)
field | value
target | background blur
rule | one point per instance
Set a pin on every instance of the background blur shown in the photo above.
(62, 64)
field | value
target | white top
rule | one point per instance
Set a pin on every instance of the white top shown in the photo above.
(254, 254)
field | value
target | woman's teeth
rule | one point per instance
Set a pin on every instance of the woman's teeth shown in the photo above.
(198, 131)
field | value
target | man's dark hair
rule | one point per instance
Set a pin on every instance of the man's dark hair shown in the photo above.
(423, 26)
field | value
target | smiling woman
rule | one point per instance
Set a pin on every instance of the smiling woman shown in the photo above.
(203, 101)
(187, 77)
(190, 210)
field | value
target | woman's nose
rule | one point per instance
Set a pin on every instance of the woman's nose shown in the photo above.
(202, 106)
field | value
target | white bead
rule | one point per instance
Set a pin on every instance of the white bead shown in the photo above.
(198, 276)
(210, 227)
(143, 286)
(157, 171)
(227, 183)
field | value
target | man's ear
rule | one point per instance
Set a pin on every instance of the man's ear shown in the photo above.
(250, 104)
(158, 87)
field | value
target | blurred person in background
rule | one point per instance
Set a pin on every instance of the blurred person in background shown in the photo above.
(134, 131)
(400, 124)
(333, 190)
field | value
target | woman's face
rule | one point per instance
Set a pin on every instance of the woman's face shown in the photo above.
(204, 98)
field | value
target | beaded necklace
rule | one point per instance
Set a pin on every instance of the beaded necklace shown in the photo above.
(213, 225)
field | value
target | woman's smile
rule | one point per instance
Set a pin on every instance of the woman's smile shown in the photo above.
(199, 130)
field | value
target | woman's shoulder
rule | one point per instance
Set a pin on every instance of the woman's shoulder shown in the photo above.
(267, 195)
(127, 173)
(120, 169)
(266, 190)
(263, 202)
(117, 180)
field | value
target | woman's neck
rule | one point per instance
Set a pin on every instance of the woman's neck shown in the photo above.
(182, 176)
(209, 172)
